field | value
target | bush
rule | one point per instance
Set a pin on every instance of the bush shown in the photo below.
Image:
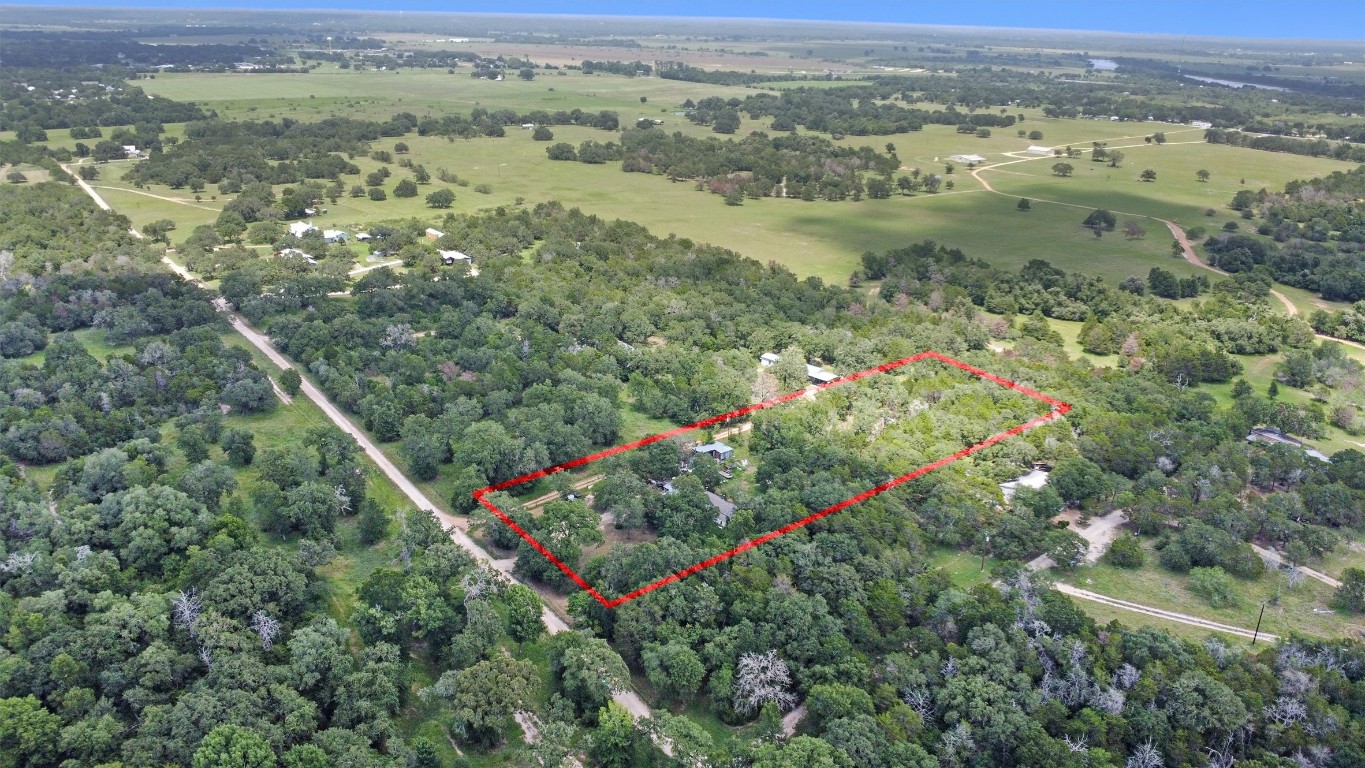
(1350, 596)
(1214, 585)
(290, 381)
(377, 194)
(1125, 552)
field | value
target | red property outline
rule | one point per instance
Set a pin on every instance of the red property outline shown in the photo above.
(1059, 409)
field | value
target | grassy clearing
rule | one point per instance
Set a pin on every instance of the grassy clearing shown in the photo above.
(93, 339)
(1300, 609)
(1350, 553)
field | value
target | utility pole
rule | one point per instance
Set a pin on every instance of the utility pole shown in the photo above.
(1257, 633)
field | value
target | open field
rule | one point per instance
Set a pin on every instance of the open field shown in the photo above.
(329, 91)
(816, 238)
(1302, 609)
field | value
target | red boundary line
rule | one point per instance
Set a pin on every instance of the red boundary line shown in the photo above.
(1059, 409)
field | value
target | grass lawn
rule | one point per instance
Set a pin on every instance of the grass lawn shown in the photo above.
(1350, 553)
(964, 567)
(1301, 609)
(93, 339)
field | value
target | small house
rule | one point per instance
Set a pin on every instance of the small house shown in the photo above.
(363, 236)
(725, 509)
(300, 228)
(449, 258)
(717, 450)
(1034, 149)
(527, 126)
(818, 375)
(335, 236)
(131, 151)
(968, 159)
(434, 234)
(1205, 124)
(768, 359)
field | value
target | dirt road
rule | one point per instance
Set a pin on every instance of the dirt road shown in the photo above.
(1100, 534)
(175, 200)
(1095, 597)
(790, 720)
(1276, 560)
(1176, 232)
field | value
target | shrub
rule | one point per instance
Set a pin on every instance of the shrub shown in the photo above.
(1125, 552)
(1214, 585)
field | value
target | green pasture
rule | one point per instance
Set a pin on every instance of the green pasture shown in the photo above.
(1176, 194)
(378, 94)
(93, 339)
(812, 238)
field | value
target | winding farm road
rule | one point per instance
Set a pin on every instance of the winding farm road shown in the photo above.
(1187, 248)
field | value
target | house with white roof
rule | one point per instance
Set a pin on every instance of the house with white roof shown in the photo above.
(301, 228)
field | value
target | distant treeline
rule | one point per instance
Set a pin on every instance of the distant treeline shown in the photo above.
(857, 111)
(627, 68)
(756, 166)
(58, 50)
(1312, 147)
(92, 105)
(275, 152)
(1317, 231)
(676, 70)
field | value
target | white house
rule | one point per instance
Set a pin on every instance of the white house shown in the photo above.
(1037, 150)
(768, 359)
(450, 257)
(300, 254)
(527, 126)
(363, 236)
(968, 159)
(300, 228)
(131, 151)
(1035, 478)
(435, 234)
(334, 235)
(1201, 124)
(819, 375)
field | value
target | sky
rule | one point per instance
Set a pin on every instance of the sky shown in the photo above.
(1318, 19)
